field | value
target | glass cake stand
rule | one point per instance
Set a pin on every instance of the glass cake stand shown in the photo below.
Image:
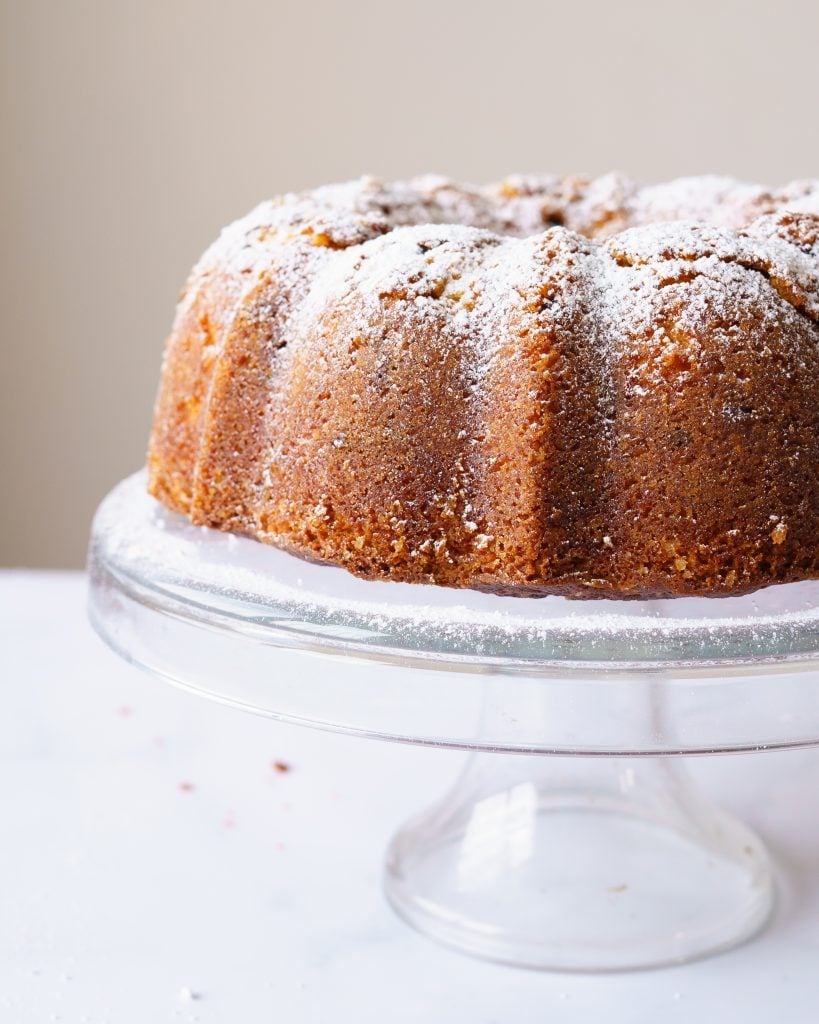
(572, 840)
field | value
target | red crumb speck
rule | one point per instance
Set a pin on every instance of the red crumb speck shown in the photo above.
(286, 805)
(280, 766)
(186, 787)
(230, 820)
(124, 711)
(159, 741)
(279, 845)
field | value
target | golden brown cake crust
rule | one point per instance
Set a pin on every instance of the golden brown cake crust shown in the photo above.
(571, 386)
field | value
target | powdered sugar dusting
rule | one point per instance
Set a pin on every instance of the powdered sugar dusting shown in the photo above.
(299, 236)
(626, 278)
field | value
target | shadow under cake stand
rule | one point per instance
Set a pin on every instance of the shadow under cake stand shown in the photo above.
(573, 839)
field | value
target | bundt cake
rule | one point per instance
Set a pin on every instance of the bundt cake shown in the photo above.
(546, 386)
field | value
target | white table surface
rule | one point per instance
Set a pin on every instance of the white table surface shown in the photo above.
(155, 867)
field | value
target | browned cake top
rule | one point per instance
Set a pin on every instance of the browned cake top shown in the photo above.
(419, 234)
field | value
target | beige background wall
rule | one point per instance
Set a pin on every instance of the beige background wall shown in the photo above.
(133, 131)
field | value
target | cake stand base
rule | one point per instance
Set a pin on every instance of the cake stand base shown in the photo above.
(579, 864)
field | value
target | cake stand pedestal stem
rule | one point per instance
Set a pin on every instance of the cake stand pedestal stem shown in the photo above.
(579, 863)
